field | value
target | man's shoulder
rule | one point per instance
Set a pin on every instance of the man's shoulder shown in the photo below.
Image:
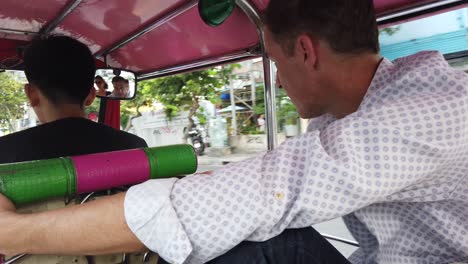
(73, 136)
(118, 136)
(20, 136)
(427, 66)
(13, 138)
(129, 136)
(422, 57)
(409, 78)
(12, 144)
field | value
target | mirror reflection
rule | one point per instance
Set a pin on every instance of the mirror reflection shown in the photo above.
(115, 84)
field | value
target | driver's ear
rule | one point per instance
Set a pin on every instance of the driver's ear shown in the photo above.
(32, 94)
(90, 98)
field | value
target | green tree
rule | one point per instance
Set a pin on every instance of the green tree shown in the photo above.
(94, 107)
(182, 92)
(13, 101)
(389, 31)
(131, 109)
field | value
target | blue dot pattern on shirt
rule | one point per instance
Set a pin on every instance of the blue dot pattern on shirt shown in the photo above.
(396, 169)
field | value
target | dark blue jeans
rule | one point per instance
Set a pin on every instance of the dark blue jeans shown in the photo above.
(293, 246)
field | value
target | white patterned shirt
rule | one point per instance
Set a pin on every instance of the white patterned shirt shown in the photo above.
(396, 170)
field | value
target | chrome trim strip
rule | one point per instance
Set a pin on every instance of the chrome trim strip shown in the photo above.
(199, 64)
(153, 25)
(17, 32)
(417, 9)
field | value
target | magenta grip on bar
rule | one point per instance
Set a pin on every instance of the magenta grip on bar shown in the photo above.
(35, 181)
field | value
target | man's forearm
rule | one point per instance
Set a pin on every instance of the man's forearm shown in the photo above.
(98, 227)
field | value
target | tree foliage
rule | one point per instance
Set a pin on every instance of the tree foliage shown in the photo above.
(177, 93)
(130, 109)
(94, 107)
(183, 92)
(13, 101)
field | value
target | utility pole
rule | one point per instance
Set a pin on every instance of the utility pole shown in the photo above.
(233, 108)
(252, 83)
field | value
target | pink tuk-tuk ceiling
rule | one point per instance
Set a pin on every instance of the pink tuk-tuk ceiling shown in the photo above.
(145, 35)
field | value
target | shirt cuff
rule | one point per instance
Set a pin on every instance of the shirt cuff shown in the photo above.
(151, 217)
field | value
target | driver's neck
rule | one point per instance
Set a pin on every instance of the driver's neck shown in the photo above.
(51, 112)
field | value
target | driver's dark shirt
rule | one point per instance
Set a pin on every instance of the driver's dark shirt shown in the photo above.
(65, 137)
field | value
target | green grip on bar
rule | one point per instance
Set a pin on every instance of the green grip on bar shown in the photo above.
(171, 160)
(33, 181)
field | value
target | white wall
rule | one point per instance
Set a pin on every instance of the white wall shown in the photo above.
(156, 130)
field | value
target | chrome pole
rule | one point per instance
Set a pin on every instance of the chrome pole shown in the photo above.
(342, 240)
(199, 64)
(270, 92)
(14, 259)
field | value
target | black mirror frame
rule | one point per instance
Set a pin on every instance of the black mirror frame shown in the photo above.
(114, 70)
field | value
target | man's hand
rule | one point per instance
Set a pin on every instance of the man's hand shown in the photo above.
(97, 227)
(8, 221)
(6, 206)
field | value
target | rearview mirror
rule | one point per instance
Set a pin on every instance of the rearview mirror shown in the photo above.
(115, 84)
(215, 12)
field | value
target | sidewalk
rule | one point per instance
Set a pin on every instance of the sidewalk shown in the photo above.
(206, 163)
